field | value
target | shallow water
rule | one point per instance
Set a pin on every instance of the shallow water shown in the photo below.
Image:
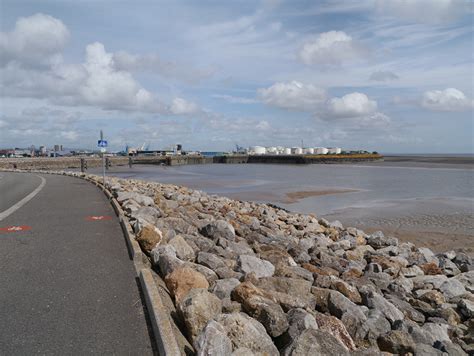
(438, 199)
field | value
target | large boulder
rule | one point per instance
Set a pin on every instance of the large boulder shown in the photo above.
(164, 257)
(452, 288)
(247, 332)
(197, 308)
(182, 280)
(267, 312)
(148, 237)
(183, 250)
(300, 320)
(315, 342)
(378, 240)
(218, 229)
(336, 328)
(250, 264)
(376, 301)
(223, 287)
(396, 342)
(213, 341)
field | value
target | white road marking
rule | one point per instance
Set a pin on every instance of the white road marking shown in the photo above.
(23, 201)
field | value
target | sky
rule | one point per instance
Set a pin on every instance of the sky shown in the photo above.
(386, 75)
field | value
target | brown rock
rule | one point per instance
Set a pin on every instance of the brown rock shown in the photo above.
(431, 269)
(352, 273)
(324, 271)
(433, 297)
(182, 280)
(349, 291)
(148, 237)
(336, 328)
(321, 295)
(274, 255)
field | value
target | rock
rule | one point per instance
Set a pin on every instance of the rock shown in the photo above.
(208, 273)
(197, 308)
(218, 229)
(436, 281)
(467, 308)
(246, 332)
(452, 288)
(165, 258)
(321, 298)
(436, 332)
(243, 351)
(412, 271)
(448, 267)
(396, 342)
(433, 297)
(376, 301)
(349, 291)
(146, 214)
(267, 312)
(407, 310)
(428, 255)
(376, 325)
(449, 315)
(450, 348)
(148, 237)
(350, 314)
(378, 240)
(300, 320)
(431, 268)
(183, 250)
(293, 272)
(213, 341)
(292, 286)
(223, 287)
(427, 350)
(336, 328)
(276, 255)
(464, 262)
(210, 260)
(315, 342)
(261, 268)
(182, 280)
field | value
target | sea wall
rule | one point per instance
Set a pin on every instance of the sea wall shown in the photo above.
(247, 278)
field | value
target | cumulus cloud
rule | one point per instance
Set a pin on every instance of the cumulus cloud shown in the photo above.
(449, 99)
(330, 48)
(383, 76)
(180, 106)
(351, 105)
(35, 40)
(428, 11)
(235, 99)
(293, 96)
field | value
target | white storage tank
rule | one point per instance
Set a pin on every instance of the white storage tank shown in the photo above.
(308, 151)
(257, 150)
(334, 150)
(296, 150)
(287, 151)
(271, 150)
(321, 150)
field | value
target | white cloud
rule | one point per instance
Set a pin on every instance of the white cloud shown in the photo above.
(69, 135)
(263, 125)
(430, 11)
(330, 48)
(383, 76)
(351, 105)
(37, 39)
(449, 99)
(293, 96)
(180, 106)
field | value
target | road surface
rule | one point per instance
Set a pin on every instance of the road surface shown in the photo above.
(67, 285)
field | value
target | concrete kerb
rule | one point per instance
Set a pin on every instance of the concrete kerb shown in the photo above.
(159, 317)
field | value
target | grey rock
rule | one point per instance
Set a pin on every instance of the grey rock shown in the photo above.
(213, 341)
(376, 325)
(247, 332)
(250, 264)
(428, 255)
(293, 272)
(223, 287)
(164, 256)
(210, 275)
(183, 250)
(450, 348)
(467, 308)
(267, 312)
(210, 260)
(407, 309)
(378, 240)
(427, 350)
(300, 320)
(198, 307)
(436, 332)
(452, 288)
(449, 268)
(376, 301)
(315, 342)
(412, 271)
(436, 281)
(218, 229)
(336, 224)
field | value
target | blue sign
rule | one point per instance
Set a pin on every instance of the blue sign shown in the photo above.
(102, 143)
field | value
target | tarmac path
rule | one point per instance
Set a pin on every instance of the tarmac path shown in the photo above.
(67, 284)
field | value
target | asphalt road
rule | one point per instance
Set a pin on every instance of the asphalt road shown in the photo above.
(67, 285)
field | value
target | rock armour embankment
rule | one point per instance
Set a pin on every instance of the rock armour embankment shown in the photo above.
(249, 278)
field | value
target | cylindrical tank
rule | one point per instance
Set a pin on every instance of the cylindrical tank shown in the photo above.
(257, 150)
(287, 151)
(334, 150)
(308, 151)
(321, 150)
(296, 150)
(271, 150)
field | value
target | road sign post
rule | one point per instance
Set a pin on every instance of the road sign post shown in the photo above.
(102, 144)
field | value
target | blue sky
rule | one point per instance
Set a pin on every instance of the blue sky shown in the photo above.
(386, 75)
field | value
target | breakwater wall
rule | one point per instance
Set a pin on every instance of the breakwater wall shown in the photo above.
(50, 163)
